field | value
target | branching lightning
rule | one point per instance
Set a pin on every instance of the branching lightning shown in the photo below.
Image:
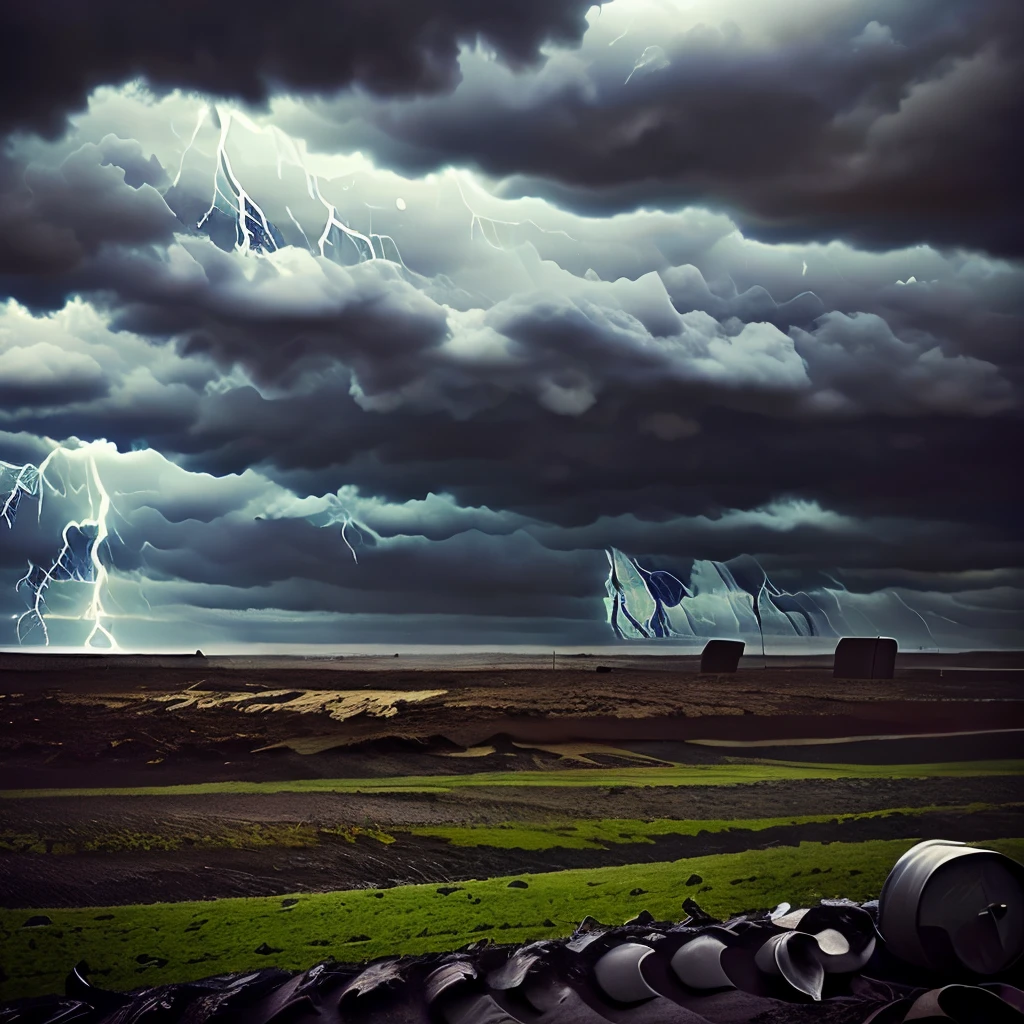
(254, 231)
(652, 59)
(335, 513)
(481, 220)
(334, 222)
(734, 598)
(23, 482)
(82, 542)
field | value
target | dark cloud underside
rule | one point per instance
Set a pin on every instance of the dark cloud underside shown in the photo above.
(385, 320)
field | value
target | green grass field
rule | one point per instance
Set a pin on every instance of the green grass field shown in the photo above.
(599, 834)
(734, 773)
(166, 836)
(577, 834)
(127, 947)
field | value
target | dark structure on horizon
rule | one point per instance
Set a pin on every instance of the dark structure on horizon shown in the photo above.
(865, 657)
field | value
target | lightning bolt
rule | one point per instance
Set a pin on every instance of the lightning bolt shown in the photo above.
(652, 59)
(625, 32)
(25, 482)
(924, 621)
(334, 514)
(481, 220)
(346, 523)
(254, 231)
(302, 231)
(204, 110)
(69, 565)
(333, 221)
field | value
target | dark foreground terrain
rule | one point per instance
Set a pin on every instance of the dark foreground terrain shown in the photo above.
(148, 781)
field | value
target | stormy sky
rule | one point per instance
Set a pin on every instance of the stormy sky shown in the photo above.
(383, 322)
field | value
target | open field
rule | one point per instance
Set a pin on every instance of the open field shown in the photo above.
(729, 774)
(130, 946)
(585, 834)
(217, 790)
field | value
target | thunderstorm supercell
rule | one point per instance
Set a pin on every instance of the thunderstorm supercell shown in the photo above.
(511, 323)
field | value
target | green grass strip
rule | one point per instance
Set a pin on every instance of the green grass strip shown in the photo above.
(730, 774)
(601, 833)
(167, 837)
(127, 947)
(569, 834)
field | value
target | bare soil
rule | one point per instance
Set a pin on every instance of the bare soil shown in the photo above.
(38, 880)
(105, 726)
(106, 723)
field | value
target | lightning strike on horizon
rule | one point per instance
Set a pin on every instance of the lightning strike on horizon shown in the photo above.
(69, 564)
(735, 597)
(924, 621)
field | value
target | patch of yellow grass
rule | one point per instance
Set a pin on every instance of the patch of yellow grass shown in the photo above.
(338, 704)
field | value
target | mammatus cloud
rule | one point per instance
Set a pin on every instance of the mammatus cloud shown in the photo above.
(339, 395)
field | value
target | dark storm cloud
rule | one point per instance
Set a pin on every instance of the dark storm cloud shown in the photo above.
(884, 124)
(67, 374)
(189, 541)
(394, 346)
(608, 462)
(593, 408)
(55, 52)
(52, 219)
(529, 385)
(178, 533)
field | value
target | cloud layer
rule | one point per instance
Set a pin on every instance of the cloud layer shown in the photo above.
(496, 310)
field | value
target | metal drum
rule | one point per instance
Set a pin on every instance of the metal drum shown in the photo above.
(951, 907)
